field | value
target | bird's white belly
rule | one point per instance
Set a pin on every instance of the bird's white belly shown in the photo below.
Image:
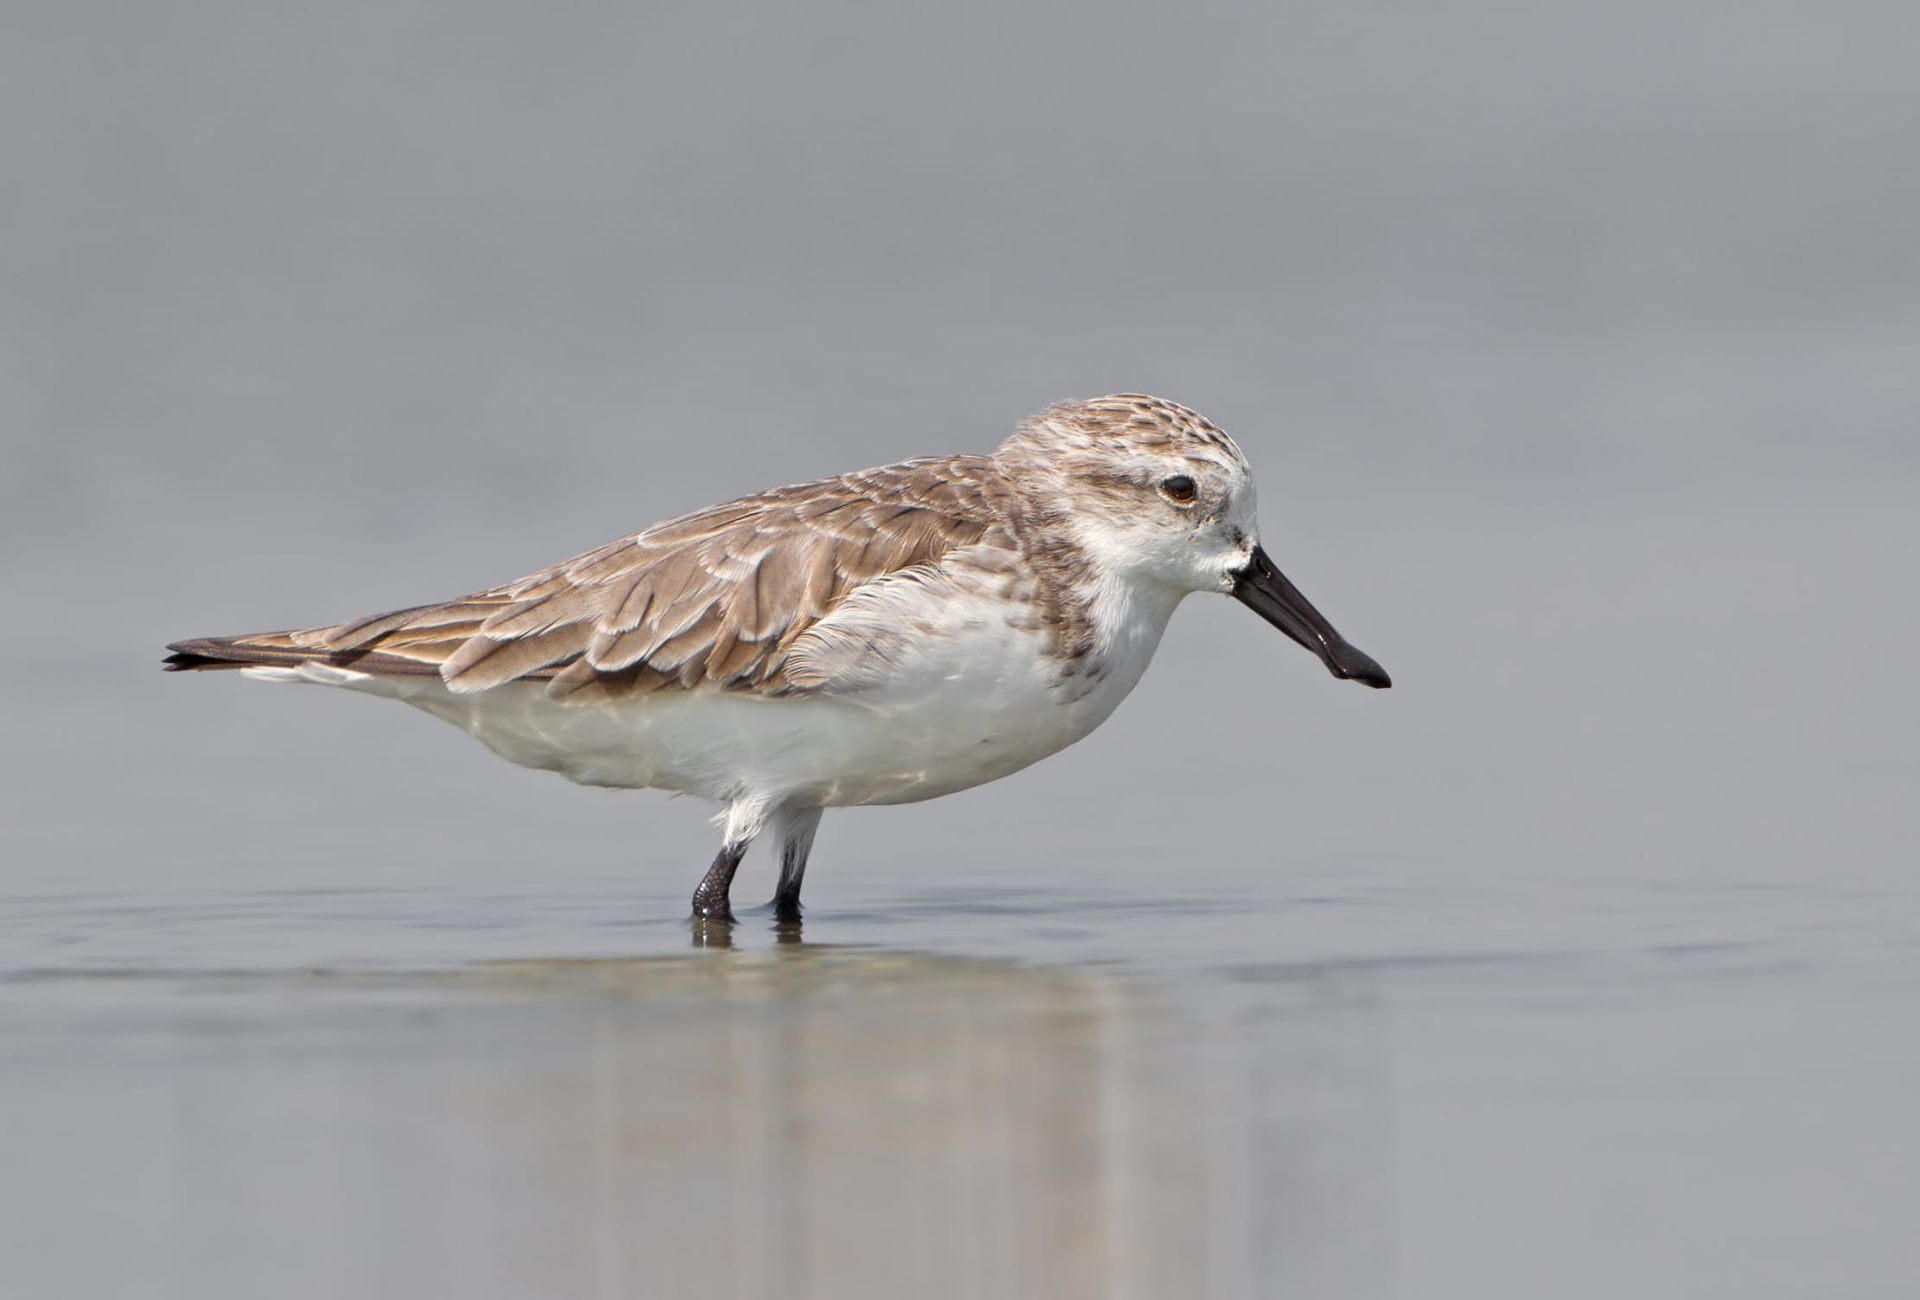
(961, 710)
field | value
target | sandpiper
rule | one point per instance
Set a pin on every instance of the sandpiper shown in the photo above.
(879, 637)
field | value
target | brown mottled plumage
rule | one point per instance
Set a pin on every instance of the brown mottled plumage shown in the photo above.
(718, 598)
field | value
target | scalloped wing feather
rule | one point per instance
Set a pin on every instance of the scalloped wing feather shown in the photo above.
(713, 599)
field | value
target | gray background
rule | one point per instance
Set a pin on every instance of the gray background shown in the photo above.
(1577, 350)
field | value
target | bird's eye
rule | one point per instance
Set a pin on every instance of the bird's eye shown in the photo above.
(1179, 489)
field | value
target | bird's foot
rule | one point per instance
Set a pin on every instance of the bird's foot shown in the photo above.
(712, 910)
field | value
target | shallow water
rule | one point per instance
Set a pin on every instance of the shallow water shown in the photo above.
(1343, 1082)
(1574, 351)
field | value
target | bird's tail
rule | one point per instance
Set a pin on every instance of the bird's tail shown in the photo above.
(281, 650)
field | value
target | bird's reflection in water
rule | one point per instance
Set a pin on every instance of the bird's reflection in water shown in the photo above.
(807, 1121)
(720, 934)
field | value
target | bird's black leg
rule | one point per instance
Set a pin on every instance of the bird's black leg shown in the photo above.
(710, 895)
(786, 898)
(796, 842)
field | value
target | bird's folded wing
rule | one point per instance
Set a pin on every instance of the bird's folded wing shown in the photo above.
(712, 599)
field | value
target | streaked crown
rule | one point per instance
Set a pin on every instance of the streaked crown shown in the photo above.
(1096, 424)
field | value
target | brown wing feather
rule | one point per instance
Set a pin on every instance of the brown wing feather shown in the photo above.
(712, 599)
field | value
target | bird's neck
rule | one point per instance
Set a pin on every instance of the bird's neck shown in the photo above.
(1100, 615)
(1103, 622)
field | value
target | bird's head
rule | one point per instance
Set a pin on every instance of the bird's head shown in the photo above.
(1157, 494)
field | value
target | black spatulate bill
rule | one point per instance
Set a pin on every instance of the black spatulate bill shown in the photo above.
(1265, 590)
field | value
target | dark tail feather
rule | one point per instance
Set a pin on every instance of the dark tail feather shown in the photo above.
(232, 652)
(276, 649)
(182, 661)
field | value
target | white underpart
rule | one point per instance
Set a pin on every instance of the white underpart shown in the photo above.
(963, 699)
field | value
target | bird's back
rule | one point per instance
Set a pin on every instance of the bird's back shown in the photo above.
(717, 599)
